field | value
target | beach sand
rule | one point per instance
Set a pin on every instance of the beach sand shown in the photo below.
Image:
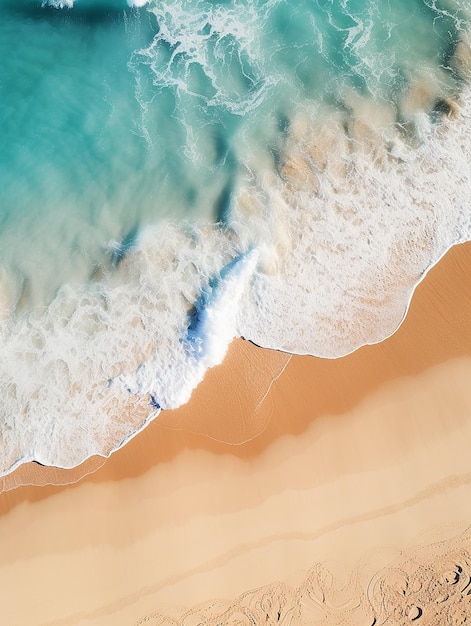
(349, 501)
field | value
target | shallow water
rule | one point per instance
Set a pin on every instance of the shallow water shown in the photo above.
(178, 173)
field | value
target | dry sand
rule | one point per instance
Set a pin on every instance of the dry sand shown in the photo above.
(352, 505)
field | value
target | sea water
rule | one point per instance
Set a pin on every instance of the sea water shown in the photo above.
(177, 173)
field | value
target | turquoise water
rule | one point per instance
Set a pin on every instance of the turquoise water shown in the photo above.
(115, 117)
(177, 173)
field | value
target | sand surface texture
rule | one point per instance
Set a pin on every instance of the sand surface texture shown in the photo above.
(349, 503)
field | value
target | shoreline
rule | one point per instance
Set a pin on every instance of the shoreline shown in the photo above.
(360, 470)
(31, 473)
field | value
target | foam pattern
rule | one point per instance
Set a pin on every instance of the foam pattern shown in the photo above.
(362, 216)
(85, 354)
(327, 212)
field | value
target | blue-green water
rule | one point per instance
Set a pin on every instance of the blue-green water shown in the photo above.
(181, 172)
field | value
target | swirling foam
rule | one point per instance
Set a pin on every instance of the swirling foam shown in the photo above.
(323, 239)
(362, 216)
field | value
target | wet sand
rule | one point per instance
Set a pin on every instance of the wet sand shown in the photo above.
(348, 502)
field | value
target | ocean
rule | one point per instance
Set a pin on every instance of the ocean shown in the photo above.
(178, 173)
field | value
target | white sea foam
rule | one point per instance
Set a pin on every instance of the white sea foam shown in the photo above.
(80, 358)
(320, 258)
(320, 252)
(59, 4)
(190, 53)
(364, 219)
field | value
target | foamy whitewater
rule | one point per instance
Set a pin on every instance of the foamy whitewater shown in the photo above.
(177, 173)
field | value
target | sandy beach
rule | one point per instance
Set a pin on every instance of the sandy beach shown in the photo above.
(290, 490)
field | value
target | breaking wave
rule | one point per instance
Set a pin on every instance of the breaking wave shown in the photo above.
(292, 192)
